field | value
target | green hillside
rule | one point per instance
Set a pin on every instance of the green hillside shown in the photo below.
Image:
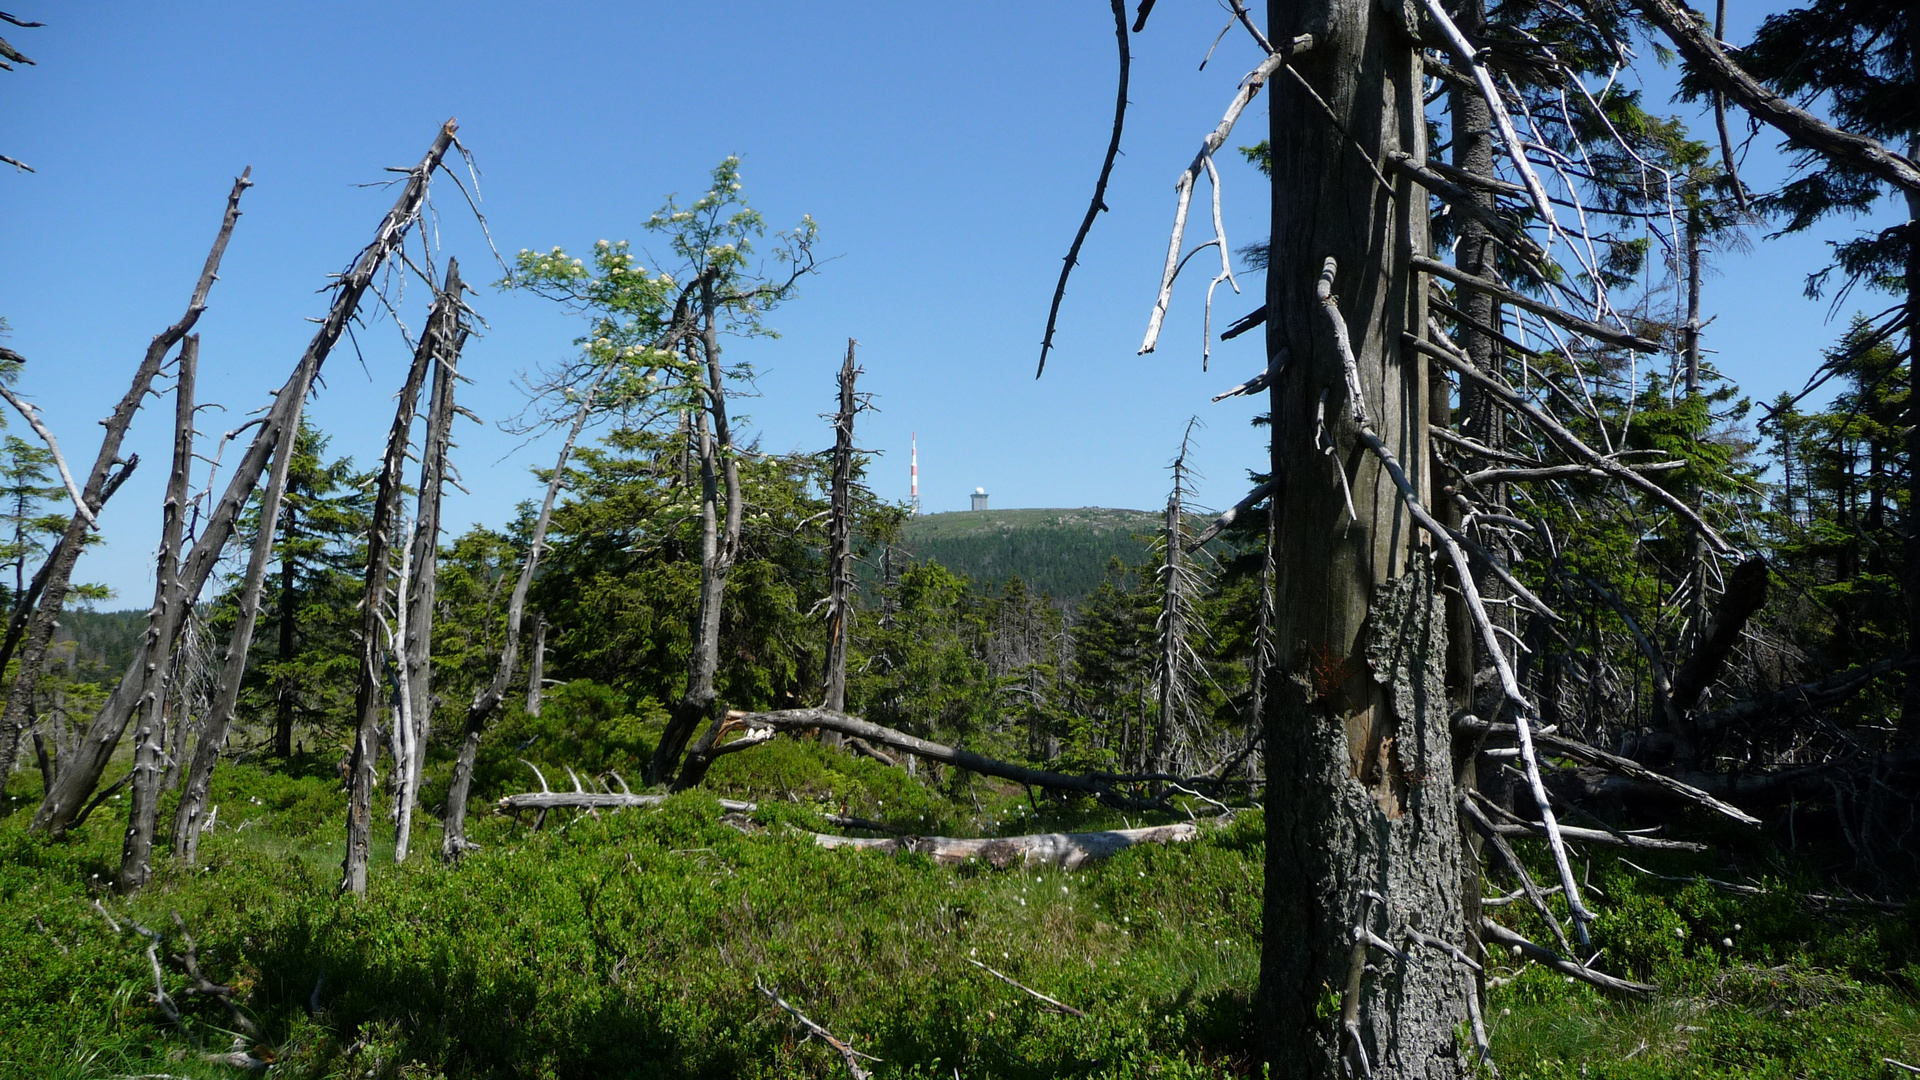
(1063, 552)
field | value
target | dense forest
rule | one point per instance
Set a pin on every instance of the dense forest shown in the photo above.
(1546, 707)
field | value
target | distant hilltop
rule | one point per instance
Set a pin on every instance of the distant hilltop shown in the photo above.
(1063, 552)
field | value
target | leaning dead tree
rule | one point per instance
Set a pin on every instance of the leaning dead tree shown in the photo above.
(415, 607)
(439, 342)
(108, 473)
(486, 702)
(190, 816)
(79, 779)
(136, 852)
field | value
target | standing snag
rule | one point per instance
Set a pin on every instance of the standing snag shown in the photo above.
(57, 812)
(441, 337)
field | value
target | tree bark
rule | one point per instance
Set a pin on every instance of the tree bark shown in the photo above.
(1362, 832)
(1471, 127)
(537, 666)
(94, 751)
(136, 849)
(441, 335)
(53, 580)
(289, 622)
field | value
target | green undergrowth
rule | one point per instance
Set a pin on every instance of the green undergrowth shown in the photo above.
(630, 945)
(1779, 984)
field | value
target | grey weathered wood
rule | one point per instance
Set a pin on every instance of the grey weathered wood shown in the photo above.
(102, 480)
(438, 339)
(840, 542)
(808, 719)
(190, 816)
(1064, 851)
(600, 800)
(424, 559)
(1498, 934)
(163, 626)
(1588, 327)
(94, 751)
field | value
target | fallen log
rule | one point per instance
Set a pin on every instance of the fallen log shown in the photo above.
(1065, 851)
(758, 725)
(1590, 755)
(599, 800)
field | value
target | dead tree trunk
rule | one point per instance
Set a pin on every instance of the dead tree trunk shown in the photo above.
(1471, 128)
(1170, 671)
(441, 335)
(1363, 841)
(719, 544)
(102, 481)
(840, 546)
(424, 559)
(537, 666)
(189, 817)
(90, 759)
(136, 850)
(480, 712)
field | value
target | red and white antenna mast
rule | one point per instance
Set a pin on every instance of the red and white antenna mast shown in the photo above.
(913, 472)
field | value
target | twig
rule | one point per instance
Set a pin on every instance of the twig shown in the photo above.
(1061, 1005)
(847, 1053)
(1572, 443)
(53, 447)
(1562, 965)
(1183, 187)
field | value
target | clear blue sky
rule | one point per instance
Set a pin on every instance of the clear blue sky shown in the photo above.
(947, 152)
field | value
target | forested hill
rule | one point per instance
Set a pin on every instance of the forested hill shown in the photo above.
(1063, 552)
(106, 642)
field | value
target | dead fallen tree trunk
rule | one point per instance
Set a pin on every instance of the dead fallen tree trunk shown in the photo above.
(599, 800)
(760, 726)
(1065, 851)
(1627, 767)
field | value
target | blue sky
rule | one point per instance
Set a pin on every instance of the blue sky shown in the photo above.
(947, 152)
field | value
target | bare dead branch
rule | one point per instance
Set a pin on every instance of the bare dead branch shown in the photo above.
(1009, 980)
(847, 1053)
(1713, 63)
(1099, 201)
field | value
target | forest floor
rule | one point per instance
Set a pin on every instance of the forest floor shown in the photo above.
(630, 945)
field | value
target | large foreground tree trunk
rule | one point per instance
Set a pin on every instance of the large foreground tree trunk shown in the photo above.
(1362, 835)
